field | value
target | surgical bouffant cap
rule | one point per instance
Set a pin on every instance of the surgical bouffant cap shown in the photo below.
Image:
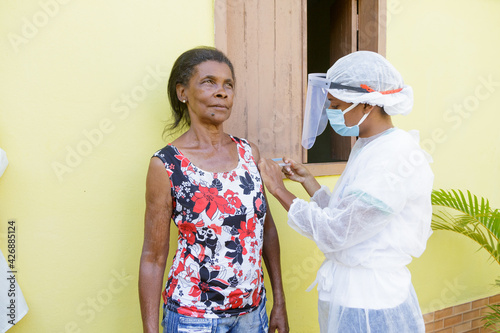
(381, 82)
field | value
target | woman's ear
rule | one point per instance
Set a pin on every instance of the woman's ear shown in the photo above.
(181, 92)
(368, 108)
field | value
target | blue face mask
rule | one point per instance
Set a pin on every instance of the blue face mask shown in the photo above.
(337, 121)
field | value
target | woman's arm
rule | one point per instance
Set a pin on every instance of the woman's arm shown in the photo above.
(271, 254)
(156, 243)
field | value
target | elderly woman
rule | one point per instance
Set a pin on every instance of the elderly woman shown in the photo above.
(378, 216)
(208, 183)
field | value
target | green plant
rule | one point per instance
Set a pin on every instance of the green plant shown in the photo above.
(493, 318)
(474, 218)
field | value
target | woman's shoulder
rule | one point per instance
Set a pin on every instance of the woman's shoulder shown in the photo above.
(169, 148)
(239, 141)
(247, 149)
(243, 143)
(166, 153)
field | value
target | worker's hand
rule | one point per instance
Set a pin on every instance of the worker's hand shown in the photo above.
(295, 171)
(299, 173)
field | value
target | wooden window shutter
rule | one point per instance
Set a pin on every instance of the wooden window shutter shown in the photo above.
(372, 24)
(265, 41)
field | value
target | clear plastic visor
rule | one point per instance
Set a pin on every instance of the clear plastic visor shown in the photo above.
(315, 119)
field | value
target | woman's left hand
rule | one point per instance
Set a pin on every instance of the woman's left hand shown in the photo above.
(278, 320)
(271, 175)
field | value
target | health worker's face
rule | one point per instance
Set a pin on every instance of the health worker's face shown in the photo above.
(210, 92)
(353, 116)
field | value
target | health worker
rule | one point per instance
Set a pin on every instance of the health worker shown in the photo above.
(379, 214)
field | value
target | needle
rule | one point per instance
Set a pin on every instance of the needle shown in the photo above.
(281, 164)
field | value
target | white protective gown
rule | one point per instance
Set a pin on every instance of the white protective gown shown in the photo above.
(376, 220)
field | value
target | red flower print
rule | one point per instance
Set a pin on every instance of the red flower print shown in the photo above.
(191, 311)
(188, 231)
(235, 298)
(164, 295)
(195, 291)
(256, 297)
(256, 281)
(184, 162)
(208, 197)
(258, 202)
(217, 229)
(232, 199)
(171, 288)
(183, 159)
(248, 229)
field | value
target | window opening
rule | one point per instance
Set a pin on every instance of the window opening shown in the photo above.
(332, 32)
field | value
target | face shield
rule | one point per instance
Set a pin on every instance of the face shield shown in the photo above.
(315, 118)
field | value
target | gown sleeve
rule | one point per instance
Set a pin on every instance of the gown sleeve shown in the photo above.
(352, 221)
(322, 196)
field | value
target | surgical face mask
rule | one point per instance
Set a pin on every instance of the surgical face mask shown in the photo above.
(337, 121)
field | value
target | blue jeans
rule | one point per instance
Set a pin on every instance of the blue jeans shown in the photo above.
(253, 322)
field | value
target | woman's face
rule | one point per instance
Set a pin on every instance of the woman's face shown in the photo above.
(209, 94)
(353, 116)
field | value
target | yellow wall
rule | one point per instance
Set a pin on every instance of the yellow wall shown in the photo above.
(82, 108)
(83, 91)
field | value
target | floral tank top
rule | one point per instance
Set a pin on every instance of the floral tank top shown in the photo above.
(217, 268)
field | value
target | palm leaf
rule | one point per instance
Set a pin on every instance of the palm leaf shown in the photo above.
(492, 319)
(473, 218)
(468, 216)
